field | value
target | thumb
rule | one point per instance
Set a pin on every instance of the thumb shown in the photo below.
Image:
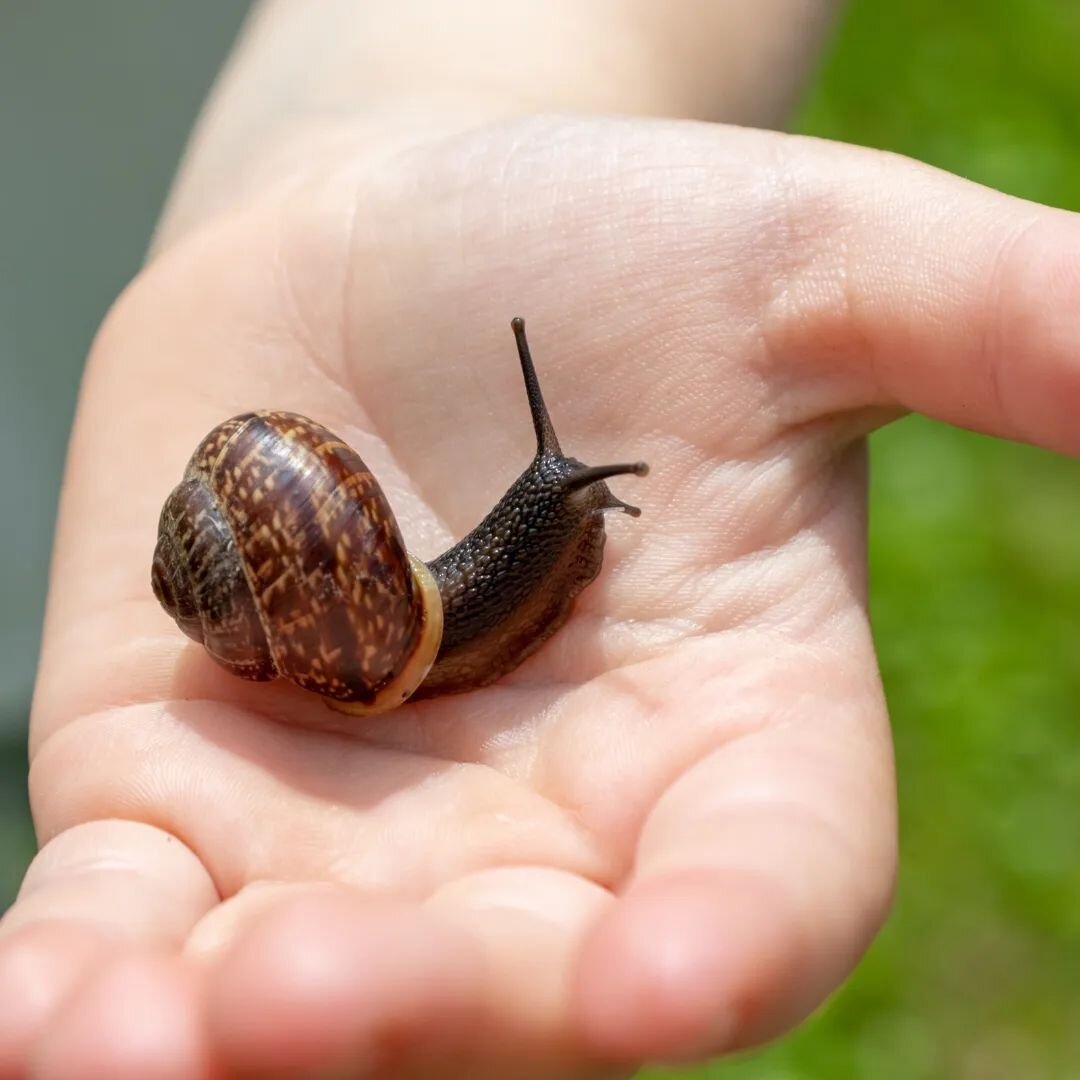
(935, 294)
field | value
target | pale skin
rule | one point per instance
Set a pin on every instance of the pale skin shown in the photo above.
(672, 832)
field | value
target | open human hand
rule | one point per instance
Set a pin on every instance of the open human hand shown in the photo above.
(671, 832)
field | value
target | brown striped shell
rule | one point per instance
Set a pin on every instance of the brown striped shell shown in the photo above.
(280, 554)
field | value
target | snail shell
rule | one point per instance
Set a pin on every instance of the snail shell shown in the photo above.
(279, 553)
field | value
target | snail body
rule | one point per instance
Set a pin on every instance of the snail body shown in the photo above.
(279, 552)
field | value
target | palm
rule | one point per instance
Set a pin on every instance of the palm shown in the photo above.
(688, 788)
(697, 632)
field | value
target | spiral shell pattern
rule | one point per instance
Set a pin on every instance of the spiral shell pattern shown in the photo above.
(280, 554)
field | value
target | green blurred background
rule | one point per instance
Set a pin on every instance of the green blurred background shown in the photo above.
(975, 560)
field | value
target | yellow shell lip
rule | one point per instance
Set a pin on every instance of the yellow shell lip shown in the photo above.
(405, 684)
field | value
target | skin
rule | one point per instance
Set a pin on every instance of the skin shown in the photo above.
(671, 833)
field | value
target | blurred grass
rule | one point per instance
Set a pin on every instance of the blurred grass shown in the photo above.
(976, 607)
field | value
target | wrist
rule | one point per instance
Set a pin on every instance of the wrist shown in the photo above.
(305, 68)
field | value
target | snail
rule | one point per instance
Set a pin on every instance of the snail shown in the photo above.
(279, 553)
